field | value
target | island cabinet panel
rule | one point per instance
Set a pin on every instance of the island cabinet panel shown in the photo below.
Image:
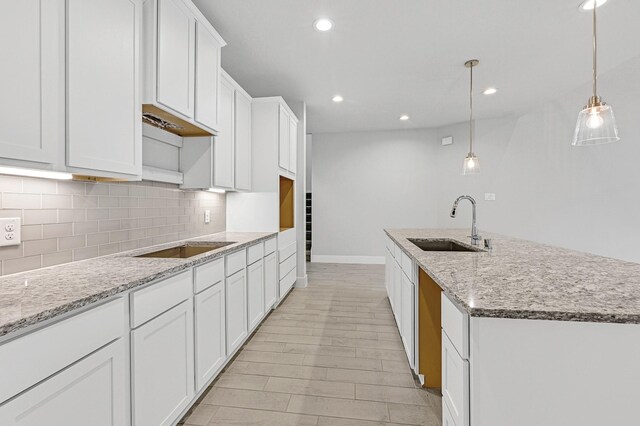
(397, 294)
(162, 366)
(237, 327)
(270, 280)
(582, 373)
(176, 59)
(408, 317)
(104, 131)
(32, 80)
(93, 391)
(210, 333)
(455, 383)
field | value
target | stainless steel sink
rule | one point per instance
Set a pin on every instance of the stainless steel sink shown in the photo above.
(186, 250)
(442, 245)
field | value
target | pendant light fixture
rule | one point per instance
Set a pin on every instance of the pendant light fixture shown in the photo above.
(471, 165)
(596, 123)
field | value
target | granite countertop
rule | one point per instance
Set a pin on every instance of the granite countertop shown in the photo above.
(528, 280)
(56, 290)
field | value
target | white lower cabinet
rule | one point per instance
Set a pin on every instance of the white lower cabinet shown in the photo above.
(255, 284)
(447, 420)
(93, 391)
(407, 316)
(210, 333)
(162, 366)
(236, 293)
(455, 383)
(270, 280)
(397, 293)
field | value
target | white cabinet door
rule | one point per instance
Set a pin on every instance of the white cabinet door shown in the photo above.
(407, 316)
(283, 139)
(104, 127)
(210, 333)
(223, 143)
(397, 294)
(270, 280)
(207, 77)
(388, 276)
(455, 383)
(93, 391)
(242, 133)
(255, 282)
(32, 80)
(447, 420)
(162, 366)
(236, 310)
(293, 145)
(176, 56)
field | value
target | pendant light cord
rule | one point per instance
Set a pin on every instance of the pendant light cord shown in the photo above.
(471, 109)
(595, 50)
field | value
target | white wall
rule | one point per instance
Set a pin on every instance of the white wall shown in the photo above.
(363, 182)
(586, 199)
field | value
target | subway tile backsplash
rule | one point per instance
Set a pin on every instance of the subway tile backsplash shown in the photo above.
(66, 221)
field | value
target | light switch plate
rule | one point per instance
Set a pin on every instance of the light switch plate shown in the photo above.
(10, 231)
(489, 196)
(207, 216)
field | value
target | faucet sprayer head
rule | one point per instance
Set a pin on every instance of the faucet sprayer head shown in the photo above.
(453, 209)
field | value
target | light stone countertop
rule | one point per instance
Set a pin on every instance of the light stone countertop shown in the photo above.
(57, 290)
(528, 280)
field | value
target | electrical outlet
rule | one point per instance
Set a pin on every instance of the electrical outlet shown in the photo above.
(489, 196)
(10, 231)
(207, 216)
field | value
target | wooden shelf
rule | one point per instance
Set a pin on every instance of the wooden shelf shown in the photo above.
(286, 203)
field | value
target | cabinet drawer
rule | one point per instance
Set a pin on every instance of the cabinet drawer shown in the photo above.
(456, 324)
(287, 266)
(236, 261)
(270, 246)
(455, 383)
(208, 274)
(159, 297)
(287, 282)
(287, 252)
(407, 266)
(36, 356)
(255, 253)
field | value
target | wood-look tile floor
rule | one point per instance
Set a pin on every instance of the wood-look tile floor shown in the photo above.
(330, 354)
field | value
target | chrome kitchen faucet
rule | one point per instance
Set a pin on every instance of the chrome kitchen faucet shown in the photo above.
(475, 238)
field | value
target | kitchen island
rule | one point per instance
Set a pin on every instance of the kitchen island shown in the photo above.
(531, 334)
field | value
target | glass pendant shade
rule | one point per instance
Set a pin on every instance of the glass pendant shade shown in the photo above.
(596, 125)
(471, 165)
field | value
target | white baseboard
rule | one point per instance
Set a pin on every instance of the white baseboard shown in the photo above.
(367, 260)
(301, 282)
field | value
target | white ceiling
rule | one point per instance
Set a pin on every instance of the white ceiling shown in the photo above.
(393, 57)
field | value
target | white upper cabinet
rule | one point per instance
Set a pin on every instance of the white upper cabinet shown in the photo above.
(223, 161)
(103, 105)
(293, 147)
(207, 76)
(242, 131)
(176, 58)
(181, 66)
(32, 81)
(284, 156)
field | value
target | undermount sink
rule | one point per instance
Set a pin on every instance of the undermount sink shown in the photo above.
(186, 250)
(442, 245)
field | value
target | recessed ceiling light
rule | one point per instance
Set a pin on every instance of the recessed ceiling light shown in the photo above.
(337, 98)
(490, 91)
(404, 117)
(323, 24)
(588, 4)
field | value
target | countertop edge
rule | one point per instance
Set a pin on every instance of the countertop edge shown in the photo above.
(33, 321)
